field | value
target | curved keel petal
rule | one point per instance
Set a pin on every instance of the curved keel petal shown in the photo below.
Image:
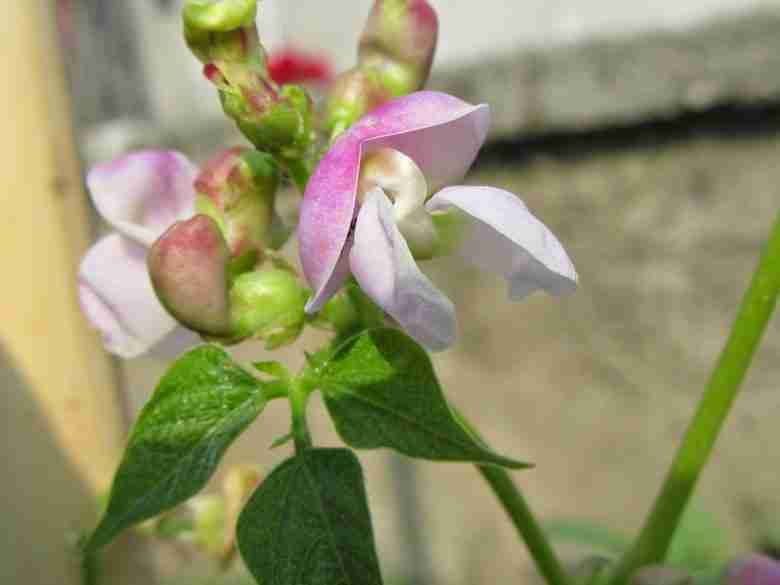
(384, 267)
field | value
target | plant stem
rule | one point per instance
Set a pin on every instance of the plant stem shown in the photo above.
(694, 451)
(526, 525)
(520, 514)
(299, 396)
(299, 170)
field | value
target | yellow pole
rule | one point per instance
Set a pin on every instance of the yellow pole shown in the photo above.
(43, 233)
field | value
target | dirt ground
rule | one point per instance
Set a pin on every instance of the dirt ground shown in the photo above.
(594, 388)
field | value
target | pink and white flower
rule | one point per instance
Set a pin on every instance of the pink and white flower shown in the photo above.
(368, 210)
(140, 195)
(755, 569)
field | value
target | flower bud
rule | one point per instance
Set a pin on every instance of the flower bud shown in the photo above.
(269, 305)
(237, 190)
(399, 41)
(219, 28)
(209, 524)
(340, 314)
(753, 570)
(188, 269)
(394, 58)
(223, 36)
(352, 94)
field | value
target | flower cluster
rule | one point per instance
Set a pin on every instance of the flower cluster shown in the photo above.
(192, 249)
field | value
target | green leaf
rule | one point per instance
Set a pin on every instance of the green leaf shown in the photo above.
(308, 523)
(381, 391)
(199, 407)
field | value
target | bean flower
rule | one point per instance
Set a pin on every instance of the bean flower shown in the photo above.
(368, 210)
(755, 569)
(140, 195)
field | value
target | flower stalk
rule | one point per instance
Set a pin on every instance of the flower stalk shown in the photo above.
(520, 514)
(755, 311)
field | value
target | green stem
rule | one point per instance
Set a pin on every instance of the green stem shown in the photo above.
(528, 528)
(526, 525)
(299, 170)
(754, 313)
(299, 397)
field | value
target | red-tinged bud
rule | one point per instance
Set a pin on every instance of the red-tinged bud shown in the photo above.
(394, 58)
(400, 40)
(237, 189)
(188, 268)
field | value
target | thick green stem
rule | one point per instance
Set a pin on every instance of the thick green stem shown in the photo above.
(520, 514)
(526, 525)
(754, 313)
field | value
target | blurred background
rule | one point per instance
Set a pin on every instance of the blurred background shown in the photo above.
(646, 135)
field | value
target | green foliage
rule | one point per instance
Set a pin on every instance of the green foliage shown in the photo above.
(200, 406)
(309, 523)
(381, 391)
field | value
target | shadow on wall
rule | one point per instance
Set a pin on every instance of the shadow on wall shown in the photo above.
(44, 504)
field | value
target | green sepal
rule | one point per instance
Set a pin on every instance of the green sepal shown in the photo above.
(381, 391)
(309, 522)
(200, 406)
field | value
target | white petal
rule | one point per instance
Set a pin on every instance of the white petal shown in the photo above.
(175, 343)
(143, 193)
(507, 239)
(117, 297)
(385, 269)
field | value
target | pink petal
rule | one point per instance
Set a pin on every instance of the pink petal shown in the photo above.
(116, 296)
(143, 193)
(385, 269)
(509, 240)
(441, 133)
(754, 570)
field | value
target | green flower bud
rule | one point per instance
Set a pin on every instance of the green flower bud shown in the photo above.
(223, 36)
(348, 311)
(237, 189)
(269, 305)
(283, 125)
(218, 15)
(188, 269)
(340, 314)
(221, 30)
